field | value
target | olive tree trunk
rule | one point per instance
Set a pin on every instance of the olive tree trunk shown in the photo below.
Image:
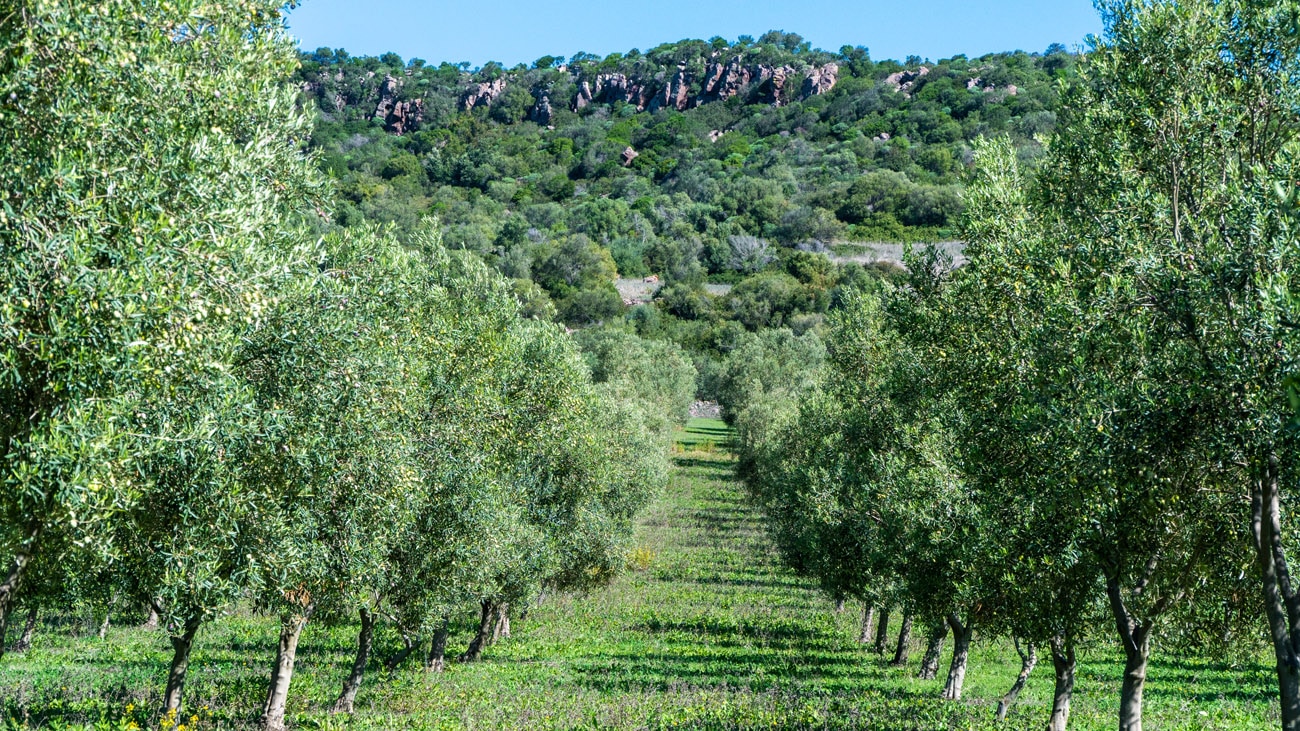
(29, 629)
(277, 695)
(904, 640)
(961, 635)
(151, 621)
(502, 628)
(182, 644)
(12, 581)
(1028, 659)
(1063, 662)
(1135, 637)
(437, 660)
(882, 630)
(868, 621)
(933, 650)
(352, 683)
(483, 637)
(1281, 605)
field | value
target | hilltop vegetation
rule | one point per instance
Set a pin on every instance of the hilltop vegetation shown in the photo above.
(693, 161)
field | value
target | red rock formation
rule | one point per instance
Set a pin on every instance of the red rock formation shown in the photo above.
(399, 116)
(821, 80)
(482, 94)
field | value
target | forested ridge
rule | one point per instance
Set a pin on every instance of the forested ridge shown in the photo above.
(696, 162)
(322, 375)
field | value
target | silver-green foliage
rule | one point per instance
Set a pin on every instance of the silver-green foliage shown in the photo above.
(149, 162)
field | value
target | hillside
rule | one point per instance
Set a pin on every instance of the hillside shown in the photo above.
(694, 161)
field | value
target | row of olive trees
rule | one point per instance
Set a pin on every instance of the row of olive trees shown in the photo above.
(204, 404)
(1086, 429)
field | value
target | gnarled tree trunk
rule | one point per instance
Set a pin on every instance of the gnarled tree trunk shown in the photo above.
(933, 650)
(352, 683)
(502, 628)
(29, 629)
(437, 660)
(882, 630)
(1063, 663)
(1028, 659)
(961, 635)
(484, 635)
(1281, 605)
(151, 621)
(868, 622)
(182, 644)
(277, 695)
(904, 640)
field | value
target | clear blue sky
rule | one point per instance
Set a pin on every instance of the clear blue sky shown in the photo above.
(520, 31)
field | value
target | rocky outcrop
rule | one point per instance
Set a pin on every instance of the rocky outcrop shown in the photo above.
(905, 81)
(542, 111)
(821, 80)
(610, 88)
(776, 85)
(772, 81)
(977, 83)
(723, 81)
(483, 94)
(399, 116)
(676, 94)
(629, 155)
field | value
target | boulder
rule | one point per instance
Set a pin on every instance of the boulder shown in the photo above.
(629, 155)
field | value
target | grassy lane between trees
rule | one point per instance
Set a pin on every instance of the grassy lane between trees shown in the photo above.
(707, 631)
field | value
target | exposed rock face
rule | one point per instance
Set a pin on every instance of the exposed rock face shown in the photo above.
(405, 116)
(629, 155)
(676, 94)
(617, 87)
(542, 111)
(721, 81)
(399, 116)
(821, 80)
(772, 81)
(482, 94)
(904, 81)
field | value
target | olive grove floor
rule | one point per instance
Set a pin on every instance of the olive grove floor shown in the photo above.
(707, 631)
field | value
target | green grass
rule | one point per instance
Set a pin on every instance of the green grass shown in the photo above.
(712, 633)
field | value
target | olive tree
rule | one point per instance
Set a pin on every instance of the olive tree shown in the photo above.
(1168, 195)
(123, 228)
(338, 365)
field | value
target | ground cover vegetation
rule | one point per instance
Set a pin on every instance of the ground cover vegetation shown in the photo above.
(248, 413)
(708, 629)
